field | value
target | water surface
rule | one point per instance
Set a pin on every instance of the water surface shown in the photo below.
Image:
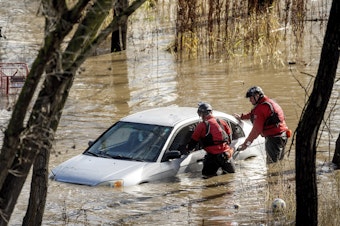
(144, 76)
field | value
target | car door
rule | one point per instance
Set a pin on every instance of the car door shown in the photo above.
(188, 162)
(238, 135)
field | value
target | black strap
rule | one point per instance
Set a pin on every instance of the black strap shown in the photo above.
(273, 120)
(227, 136)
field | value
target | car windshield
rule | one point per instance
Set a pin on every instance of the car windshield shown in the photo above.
(131, 141)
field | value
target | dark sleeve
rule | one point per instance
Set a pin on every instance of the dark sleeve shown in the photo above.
(192, 144)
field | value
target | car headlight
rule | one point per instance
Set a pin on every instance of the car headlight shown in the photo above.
(113, 183)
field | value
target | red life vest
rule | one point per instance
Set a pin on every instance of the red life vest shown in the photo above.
(215, 136)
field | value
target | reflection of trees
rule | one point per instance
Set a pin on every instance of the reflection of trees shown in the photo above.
(120, 86)
(105, 82)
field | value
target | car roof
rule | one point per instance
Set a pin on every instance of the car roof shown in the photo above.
(166, 116)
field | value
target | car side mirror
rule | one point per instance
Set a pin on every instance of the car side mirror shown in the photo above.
(90, 143)
(173, 154)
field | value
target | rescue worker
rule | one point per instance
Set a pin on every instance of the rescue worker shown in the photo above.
(215, 136)
(268, 121)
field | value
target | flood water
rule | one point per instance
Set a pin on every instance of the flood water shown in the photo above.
(144, 76)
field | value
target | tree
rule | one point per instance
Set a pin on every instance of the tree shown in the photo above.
(311, 118)
(259, 6)
(25, 144)
(336, 157)
(118, 38)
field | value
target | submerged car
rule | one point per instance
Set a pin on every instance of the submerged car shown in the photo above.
(146, 146)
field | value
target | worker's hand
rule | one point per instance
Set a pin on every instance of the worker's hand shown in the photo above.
(189, 150)
(237, 116)
(183, 149)
(242, 147)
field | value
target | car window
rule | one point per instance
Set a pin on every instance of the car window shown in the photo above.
(133, 141)
(183, 137)
(237, 131)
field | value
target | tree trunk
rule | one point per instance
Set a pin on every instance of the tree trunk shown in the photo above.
(259, 6)
(15, 127)
(307, 131)
(336, 156)
(21, 145)
(118, 39)
(39, 183)
(38, 194)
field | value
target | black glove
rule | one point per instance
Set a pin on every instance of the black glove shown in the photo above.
(182, 148)
(192, 144)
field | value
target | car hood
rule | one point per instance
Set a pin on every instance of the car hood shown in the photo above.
(90, 170)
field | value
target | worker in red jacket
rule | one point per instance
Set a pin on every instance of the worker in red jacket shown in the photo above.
(215, 136)
(268, 121)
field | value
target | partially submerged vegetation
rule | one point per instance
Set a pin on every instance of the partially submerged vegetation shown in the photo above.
(234, 28)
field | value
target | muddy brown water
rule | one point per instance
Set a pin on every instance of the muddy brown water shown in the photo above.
(144, 76)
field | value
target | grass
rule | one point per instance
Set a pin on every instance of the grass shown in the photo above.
(228, 29)
(225, 32)
(281, 184)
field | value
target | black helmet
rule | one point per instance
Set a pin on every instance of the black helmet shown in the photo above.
(254, 90)
(204, 108)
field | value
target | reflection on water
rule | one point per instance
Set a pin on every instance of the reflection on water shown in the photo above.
(187, 199)
(111, 86)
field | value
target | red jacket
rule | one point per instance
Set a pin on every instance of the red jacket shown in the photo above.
(216, 131)
(259, 114)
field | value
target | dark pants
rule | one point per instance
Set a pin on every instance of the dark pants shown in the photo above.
(275, 148)
(212, 163)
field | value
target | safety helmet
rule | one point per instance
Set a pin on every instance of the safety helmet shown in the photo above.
(204, 108)
(254, 90)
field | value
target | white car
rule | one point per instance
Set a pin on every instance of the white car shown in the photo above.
(145, 147)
